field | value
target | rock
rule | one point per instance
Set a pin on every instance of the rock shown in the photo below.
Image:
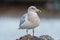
(29, 37)
(46, 37)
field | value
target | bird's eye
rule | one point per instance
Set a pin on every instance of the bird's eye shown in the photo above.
(33, 8)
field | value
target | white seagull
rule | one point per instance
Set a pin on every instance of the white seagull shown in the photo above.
(30, 20)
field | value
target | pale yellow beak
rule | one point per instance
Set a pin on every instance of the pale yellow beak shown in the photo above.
(38, 11)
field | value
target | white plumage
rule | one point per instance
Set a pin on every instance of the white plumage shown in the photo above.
(30, 20)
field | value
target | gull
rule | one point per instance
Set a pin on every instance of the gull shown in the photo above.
(30, 20)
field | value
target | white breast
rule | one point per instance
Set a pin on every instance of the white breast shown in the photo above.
(34, 19)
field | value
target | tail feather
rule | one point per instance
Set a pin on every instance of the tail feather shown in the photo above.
(19, 28)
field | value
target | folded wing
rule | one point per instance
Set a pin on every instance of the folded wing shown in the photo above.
(22, 19)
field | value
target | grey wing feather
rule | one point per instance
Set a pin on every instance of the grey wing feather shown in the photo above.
(22, 19)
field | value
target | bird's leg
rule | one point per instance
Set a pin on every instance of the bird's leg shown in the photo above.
(27, 31)
(27, 34)
(33, 32)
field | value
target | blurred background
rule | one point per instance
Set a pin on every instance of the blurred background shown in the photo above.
(12, 10)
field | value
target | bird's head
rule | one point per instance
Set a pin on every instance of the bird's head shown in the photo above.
(33, 9)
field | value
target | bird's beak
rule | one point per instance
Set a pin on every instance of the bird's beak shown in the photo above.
(38, 11)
